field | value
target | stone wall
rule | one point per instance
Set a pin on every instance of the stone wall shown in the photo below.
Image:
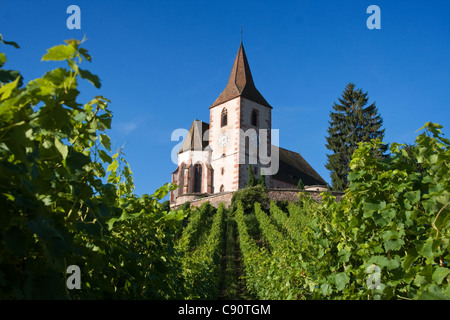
(224, 197)
(290, 195)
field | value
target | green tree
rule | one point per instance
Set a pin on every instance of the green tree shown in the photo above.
(165, 206)
(300, 185)
(251, 177)
(352, 121)
(262, 179)
(248, 196)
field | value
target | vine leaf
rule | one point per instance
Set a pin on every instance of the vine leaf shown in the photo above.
(60, 52)
(62, 148)
(92, 78)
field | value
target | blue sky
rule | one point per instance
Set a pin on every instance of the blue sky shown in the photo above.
(163, 63)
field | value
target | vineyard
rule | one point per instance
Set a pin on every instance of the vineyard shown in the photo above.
(67, 200)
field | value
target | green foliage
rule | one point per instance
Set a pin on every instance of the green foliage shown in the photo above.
(394, 218)
(262, 179)
(254, 260)
(290, 224)
(57, 208)
(300, 185)
(270, 273)
(186, 206)
(352, 121)
(201, 267)
(67, 200)
(396, 215)
(248, 197)
(196, 228)
(252, 182)
(165, 206)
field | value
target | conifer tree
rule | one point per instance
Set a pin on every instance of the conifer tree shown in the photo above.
(262, 179)
(251, 177)
(352, 121)
(300, 185)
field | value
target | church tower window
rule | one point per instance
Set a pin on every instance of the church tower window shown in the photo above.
(254, 119)
(198, 178)
(224, 118)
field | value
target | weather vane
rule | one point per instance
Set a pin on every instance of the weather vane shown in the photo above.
(242, 31)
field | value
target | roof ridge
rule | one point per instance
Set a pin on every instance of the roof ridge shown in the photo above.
(194, 139)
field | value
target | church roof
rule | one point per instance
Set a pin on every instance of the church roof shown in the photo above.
(196, 139)
(241, 83)
(294, 167)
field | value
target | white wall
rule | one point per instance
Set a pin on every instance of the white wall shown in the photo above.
(229, 179)
(234, 163)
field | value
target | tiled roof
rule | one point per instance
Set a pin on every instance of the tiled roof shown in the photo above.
(196, 138)
(294, 167)
(241, 83)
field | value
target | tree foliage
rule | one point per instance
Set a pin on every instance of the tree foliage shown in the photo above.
(352, 121)
(248, 196)
(262, 179)
(300, 185)
(252, 181)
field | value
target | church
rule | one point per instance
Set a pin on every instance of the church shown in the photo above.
(215, 157)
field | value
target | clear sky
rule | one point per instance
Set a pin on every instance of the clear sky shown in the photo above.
(163, 63)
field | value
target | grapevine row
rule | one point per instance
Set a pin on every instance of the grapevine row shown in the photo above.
(289, 223)
(201, 268)
(270, 232)
(254, 260)
(268, 276)
(196, 227)
(300, 212)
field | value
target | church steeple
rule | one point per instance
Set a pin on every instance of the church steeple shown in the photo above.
(241, 83)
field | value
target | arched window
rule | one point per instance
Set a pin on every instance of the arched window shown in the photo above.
(222, 188)
(198, 178)
(254, 119)
(224, 118)
(181, 179)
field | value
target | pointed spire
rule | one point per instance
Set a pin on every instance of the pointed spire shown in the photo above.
(241, 83)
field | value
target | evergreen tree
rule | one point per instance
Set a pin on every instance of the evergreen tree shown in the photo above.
(165, 206)
(300, 185)
(352, 121)
(262, 179)
(251, 177)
